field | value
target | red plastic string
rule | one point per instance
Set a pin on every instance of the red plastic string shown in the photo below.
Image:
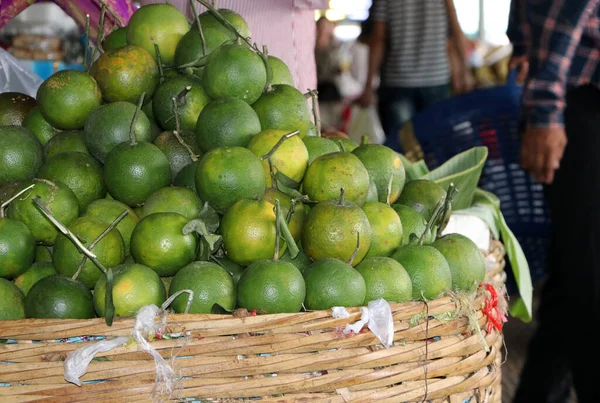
(496, 318)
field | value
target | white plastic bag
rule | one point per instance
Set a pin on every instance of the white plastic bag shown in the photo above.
(365, 122)
(16, 78)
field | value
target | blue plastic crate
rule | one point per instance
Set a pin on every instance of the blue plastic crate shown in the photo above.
(490, 117)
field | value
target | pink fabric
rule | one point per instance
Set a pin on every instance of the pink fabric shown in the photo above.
(287, 27)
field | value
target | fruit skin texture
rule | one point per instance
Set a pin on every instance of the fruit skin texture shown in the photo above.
(466, 261)
(210, 283)
(189, 107)
(331, 230)
(412, 223)
(226, 122)
(159, 243)
(110, 250)
(134, 286)
(108, 210)
(428, 270)
(382, 162)
(65, 142)
(33, 274)
(234, 70)
(271, 287)
(125, 73)
(228, 174)
(173, 199)
(189, 48)
(248, 230)
(133, 172)
(20, 154)
(116, 39)
(177, 154)
(109, 125)
(423, 195)
(318, 146)
(12, 305)
(57, 197)
(281, 72)
(67, 98)
(14, 107)
(385, 278)
(291, 158)
(80, 172)
(331, 282)
(162, 24)
(17, 248)
(387, 229)
(209, 22)
(283, 107)
(331, 172)
(35, 122)
(59, 297)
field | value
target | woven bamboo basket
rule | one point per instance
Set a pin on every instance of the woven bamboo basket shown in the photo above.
(436, 357)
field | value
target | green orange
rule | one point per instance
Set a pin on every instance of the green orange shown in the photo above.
(12, 305)
(14, 107)
(179, 155)
(383, 165)
(385, 278)
(20, 154)
(17, 248)
(33, 274)
(190, 50)
(107, 210)
(116, 39)
(173, 200)
(67, 98)
(281, 72)
(331, 282)
(413, 224)
(158, 242)
(317, 146)
(134, 286)
(423, 195)
(298, 216)
(64, 142)
(186, 177)
(228, 174)
(38, 125)
(282, 107)
(59, 297)
(465, 259)
(387, 229)
(209, 23)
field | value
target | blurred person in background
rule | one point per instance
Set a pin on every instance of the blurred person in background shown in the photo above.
(409, 48)
(557, 50)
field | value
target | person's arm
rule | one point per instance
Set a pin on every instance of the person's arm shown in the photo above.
(519, 35)
(554, 41)
(376, 49)
(462, 79)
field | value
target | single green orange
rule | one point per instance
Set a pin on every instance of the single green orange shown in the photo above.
(107, 211)
(317, 146)
(80, 172)
(331, 282)
(173, 200)
(12, 305)
(209, 23)
(134, 286)
(210, 283)
(186, 177)
(158, 242)
(43, 254)
(161, 24)
(372, 195)
(413, 224)
(290, 158)
(332, 228)
(179, 155)
(116, 39)
(39, 126)
(64, 142)
(248, 231)
(345, 144)
(383, 165)
(33, 274)
(123, 74)
(298, 216)
(110, 125)
(189, 94)
(134, 171)
(67, 98)
(331, 172)
(20, 154)
(282, 107)
(14, 107)
(109, 251)
(428, 270)
(423, 195)
(465, 259)
(228, 174)
(234, 269)
(236, 71)
(56, 196)
(301, 261)
(271, 287)
(17, 248)
(387, 229)
(385, 278)
(226, 122)
(190, 48)
(59, 297)
(281, 72)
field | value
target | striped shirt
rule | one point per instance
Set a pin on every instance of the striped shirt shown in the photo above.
(417, 32)
(287, 27)
(562, 41)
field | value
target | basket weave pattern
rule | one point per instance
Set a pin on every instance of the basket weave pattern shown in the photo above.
(436, 357)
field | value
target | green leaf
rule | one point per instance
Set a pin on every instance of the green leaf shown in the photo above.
(414, 170)
(464, 170)
(210, 218)
(286, 235)
(286, 181)
(109, 306)
(198, 226)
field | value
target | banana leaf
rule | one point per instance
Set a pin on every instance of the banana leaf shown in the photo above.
(464, 170)
(414, 170)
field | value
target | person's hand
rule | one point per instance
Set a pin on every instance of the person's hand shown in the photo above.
(366, 98)
(522, 65)
(462, 81)
(542, 151)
